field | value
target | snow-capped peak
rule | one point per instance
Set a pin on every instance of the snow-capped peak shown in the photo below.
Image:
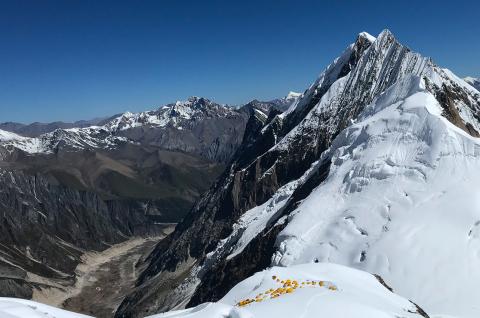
(292, 95)
(367, 36)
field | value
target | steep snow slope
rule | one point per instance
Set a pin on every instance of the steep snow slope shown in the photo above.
(315, 290)
(19, 308)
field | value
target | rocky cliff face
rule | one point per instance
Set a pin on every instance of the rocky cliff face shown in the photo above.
(45, 229)
(234, 230)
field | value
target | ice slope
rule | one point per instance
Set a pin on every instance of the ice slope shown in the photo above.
(401, 200)
(20, 308)
(345, 293)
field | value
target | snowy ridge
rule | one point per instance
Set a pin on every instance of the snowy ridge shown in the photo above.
(325, 290)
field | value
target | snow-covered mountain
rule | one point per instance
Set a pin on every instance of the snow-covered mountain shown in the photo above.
(69, 139)
(198, 122)
(475, 82)
(374, 167)
(284, 103)
(175, 114)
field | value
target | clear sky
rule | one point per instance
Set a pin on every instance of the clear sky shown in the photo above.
(80, 59)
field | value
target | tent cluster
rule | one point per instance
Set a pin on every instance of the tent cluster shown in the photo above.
(288, 286)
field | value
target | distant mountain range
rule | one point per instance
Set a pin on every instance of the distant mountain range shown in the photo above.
(153, 118)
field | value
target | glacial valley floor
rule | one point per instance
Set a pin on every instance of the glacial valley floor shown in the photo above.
(103, 278)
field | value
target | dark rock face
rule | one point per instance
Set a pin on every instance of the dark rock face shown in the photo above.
(214, 139)
(224, 275)
(449, 96)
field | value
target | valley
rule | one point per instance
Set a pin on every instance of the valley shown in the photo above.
(103, 279)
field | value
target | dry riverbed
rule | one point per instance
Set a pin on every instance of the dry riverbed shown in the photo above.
(103, 279)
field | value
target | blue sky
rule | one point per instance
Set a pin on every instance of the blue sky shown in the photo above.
(68, 60)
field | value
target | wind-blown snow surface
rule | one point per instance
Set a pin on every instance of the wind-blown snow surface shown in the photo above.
(19, 308)
(353, 293)
(401, 200)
